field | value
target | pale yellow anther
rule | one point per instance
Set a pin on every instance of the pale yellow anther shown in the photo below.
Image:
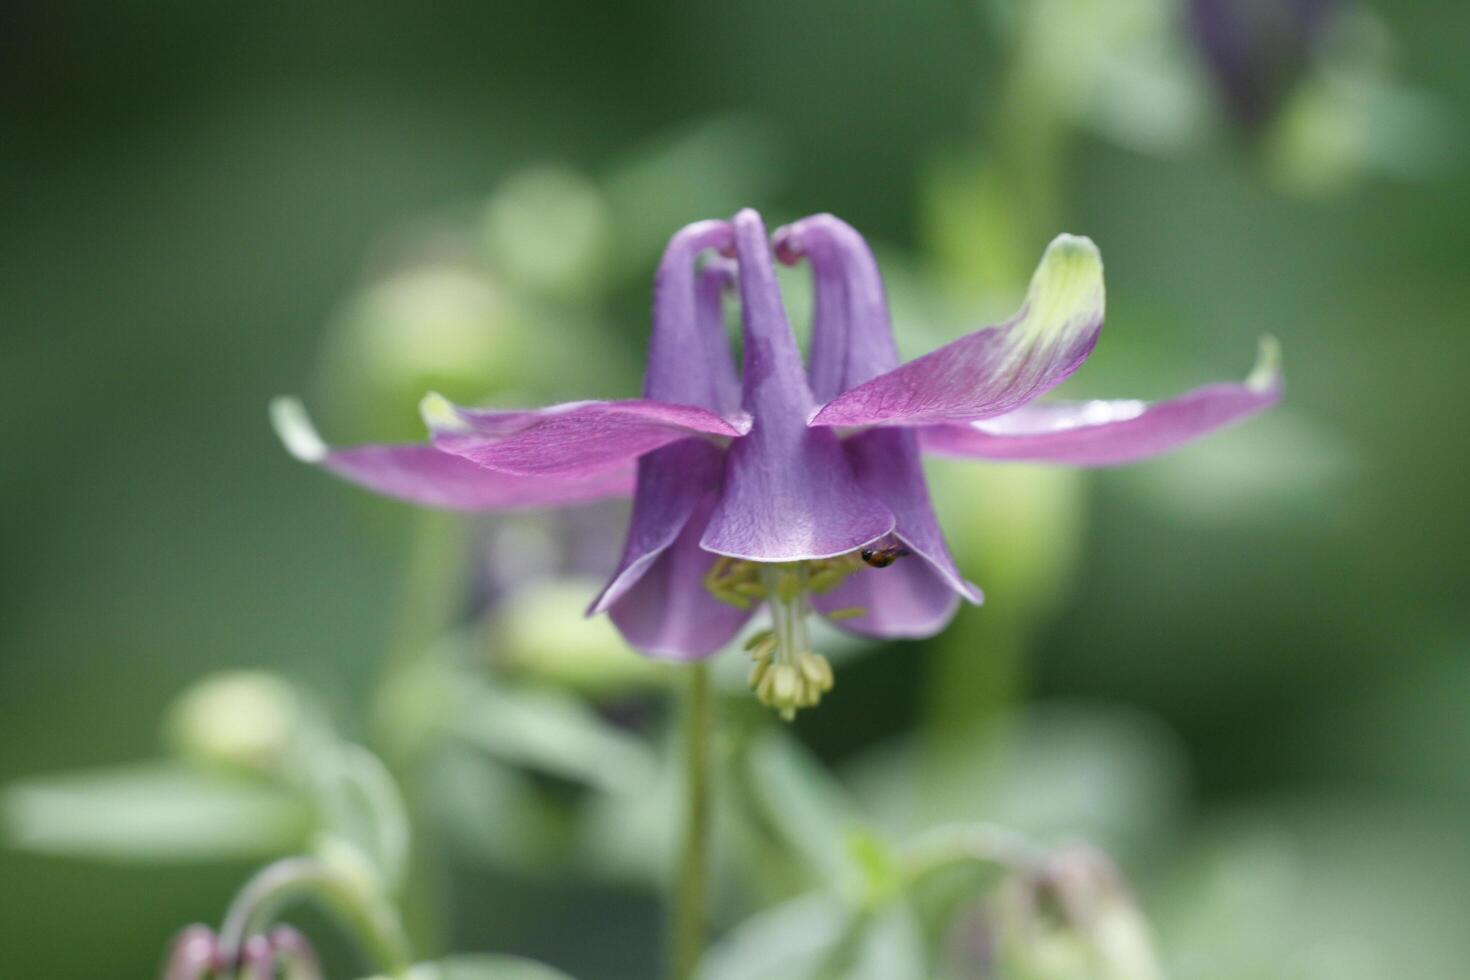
(816, 670)
(786, 687)
(758, 672)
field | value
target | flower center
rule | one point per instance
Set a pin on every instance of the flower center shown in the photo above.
(787, 674)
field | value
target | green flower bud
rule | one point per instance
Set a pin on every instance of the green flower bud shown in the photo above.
(545, 633)
(548, 230)
(246, 720)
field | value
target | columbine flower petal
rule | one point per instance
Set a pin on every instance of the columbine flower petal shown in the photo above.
(997, 369)
(666, 611)
(1107, 433)
(573, 439)
(852, 341)
(673, 483)
(789, 494)
(657, 596)
(852, 334)
(424, 475)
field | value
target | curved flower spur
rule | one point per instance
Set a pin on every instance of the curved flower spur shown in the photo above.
(794, 486)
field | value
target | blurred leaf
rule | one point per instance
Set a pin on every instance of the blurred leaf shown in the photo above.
(492, 810)
(1320, 889)
(1110, 776)
(626, 836)
(554, 733)
(810, 810)
(482, 967)
(791, 941)
(888, 946)
(156, 812)
(1282, 468)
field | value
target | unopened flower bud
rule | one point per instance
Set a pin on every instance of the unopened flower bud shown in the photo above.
(237, 719)
(1074, 916)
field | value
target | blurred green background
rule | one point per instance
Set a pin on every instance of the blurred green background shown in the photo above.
(1255, 650)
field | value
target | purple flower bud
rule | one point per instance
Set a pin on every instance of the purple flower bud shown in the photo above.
(1257, 49)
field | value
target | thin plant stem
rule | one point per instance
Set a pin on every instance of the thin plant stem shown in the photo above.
(691, 892)
(369, 918)
(434, 573)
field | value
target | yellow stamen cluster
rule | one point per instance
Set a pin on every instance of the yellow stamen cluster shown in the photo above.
(784, 685)
(787, 675)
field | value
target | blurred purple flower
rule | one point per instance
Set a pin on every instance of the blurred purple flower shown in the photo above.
(197, 953)
(1256, 49)
(786, 485)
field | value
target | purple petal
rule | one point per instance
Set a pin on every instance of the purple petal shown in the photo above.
(667, 612)
(852, 334)
(688, 357)
(672, 482)
(907, 600)
(1106, 433)
(789, 493)
(715, 278)
(424, 475)
(568, 440)
(997, 369)
(916, 595)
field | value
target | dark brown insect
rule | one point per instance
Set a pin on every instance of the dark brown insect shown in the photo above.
(883, 557)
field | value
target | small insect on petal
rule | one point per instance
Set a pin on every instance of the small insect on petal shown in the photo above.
(883, 557)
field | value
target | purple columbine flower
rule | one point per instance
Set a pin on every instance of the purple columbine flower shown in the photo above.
(794, 486)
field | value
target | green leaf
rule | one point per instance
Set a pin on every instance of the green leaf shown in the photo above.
(888, 946)
(154, 812)
(556, 734)
(480, 967)
(493, 811)
(791, 941)
(809, 809)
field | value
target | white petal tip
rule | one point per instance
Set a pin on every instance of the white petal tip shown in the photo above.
(294, 429)
(439, 414)
(1073, 246)
(1266, 375)
(1068, 261)
(1066, 295)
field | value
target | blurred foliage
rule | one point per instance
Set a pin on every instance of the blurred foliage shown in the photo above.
(1240, 670)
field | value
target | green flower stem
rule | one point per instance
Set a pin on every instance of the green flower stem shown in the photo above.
(433, 588)
(971, 843)
(688, 913)
(367, 916)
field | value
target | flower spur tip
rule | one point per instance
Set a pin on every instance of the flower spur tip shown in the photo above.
(294, 429)
(440, 415)
(1266, 375)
